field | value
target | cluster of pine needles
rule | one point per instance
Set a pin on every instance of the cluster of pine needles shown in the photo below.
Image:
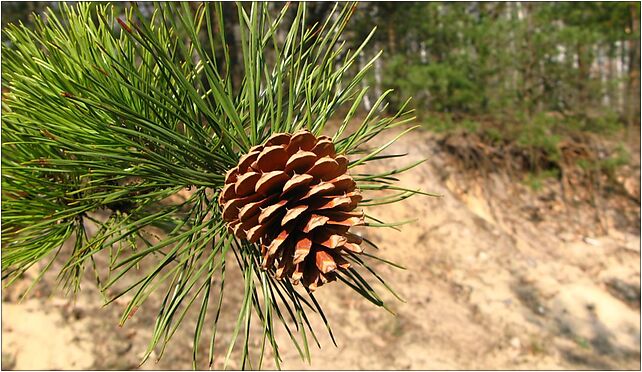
(106, 116)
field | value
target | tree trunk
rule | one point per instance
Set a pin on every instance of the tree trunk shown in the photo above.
(367, 104)
(623, 86)
(231, 25)
(633, 106)
(611, 94)
(378, 73)
(584, 74)
(392, 38)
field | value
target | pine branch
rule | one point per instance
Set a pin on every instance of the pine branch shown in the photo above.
(118, 114)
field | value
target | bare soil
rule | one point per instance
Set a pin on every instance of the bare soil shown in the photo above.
(498, 277)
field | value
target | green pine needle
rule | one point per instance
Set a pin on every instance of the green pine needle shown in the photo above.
(112, 116)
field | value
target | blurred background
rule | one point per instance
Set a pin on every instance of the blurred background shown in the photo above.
(530, 120)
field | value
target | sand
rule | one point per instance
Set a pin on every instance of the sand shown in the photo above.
(498, 276)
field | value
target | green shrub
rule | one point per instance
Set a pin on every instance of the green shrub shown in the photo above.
(608, 124)
(538, 134)
(439, 123)
(435, 86)
(494, 135)
(608, 165)
(535, 180)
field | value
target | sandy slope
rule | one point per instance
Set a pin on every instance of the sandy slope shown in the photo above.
(487, 286)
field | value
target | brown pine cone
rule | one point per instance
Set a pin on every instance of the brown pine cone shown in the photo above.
(293, 195)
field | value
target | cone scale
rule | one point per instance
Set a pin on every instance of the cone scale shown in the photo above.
(294, 197)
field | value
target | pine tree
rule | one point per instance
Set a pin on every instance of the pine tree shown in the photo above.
(114, 115)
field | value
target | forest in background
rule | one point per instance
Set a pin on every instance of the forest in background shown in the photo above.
(510, 59)
(520, 77)
(503, 59)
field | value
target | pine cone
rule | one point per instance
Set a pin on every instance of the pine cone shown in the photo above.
(294, 197)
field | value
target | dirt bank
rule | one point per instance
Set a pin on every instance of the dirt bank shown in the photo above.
(498, 276)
